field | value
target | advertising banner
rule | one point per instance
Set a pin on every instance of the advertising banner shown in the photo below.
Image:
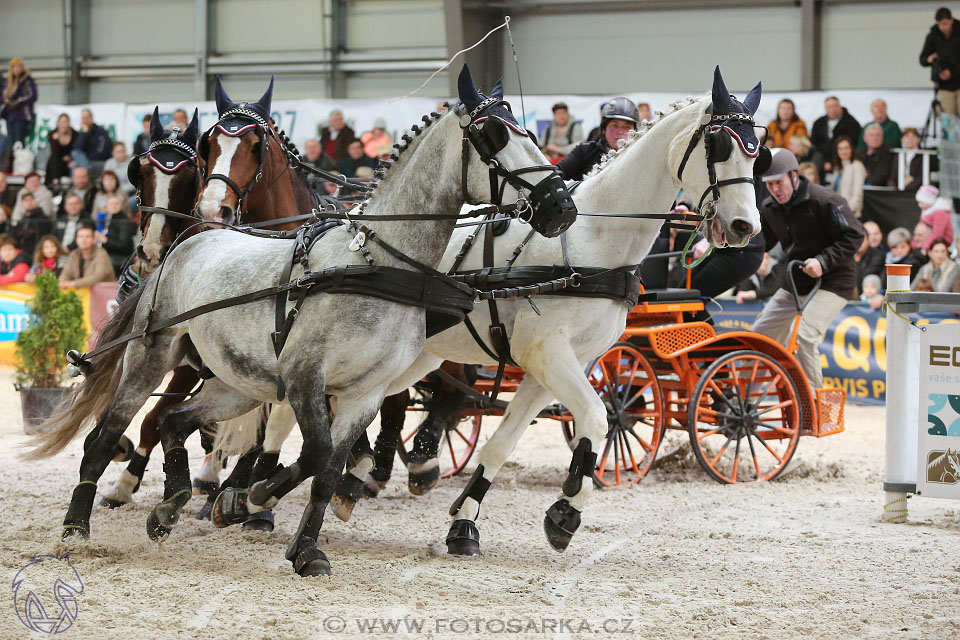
(938, 443)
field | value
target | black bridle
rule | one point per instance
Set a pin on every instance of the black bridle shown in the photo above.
(550, 208)
(190, 158)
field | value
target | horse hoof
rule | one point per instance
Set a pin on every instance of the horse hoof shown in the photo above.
(311, 562)
(372, 487)
(348, 493)
(342, 507)
(124, 450)
(560, 523)
(229, 508)
(260, 521)
(75, 532)
(204, 487)
(109, 503)
(463, 538)
(156, 531)
(424, 478)
(204, 512)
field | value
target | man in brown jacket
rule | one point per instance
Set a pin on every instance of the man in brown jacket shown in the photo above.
(88, 264)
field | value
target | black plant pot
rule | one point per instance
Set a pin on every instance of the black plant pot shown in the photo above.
(37, 404)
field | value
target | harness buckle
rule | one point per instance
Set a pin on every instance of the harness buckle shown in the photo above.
(576, 279)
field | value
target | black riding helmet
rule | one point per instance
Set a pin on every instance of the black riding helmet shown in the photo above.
(619, 109)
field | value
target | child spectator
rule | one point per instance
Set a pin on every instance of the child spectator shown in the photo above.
(88, 264)
(849, 175)
(900, 253)
(49, 256)
(801, 147)
(18, 98)
(61, 141)
(922, 284)
(809, 171)
(109, 186)
(869, 289)
(941, 271)
(374, 140)
(786, 125)
(33, 225)
(936, 214)
(14, 266)
(42, 197)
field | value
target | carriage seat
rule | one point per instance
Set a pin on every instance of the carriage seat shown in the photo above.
(670, 295)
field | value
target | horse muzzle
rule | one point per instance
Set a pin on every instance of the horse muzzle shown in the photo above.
(553, 210)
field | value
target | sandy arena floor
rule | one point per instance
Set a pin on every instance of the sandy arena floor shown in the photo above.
(677, 556)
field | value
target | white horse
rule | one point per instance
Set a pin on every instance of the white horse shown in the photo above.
(348, 347)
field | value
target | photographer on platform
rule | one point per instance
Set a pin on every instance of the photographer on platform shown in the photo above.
(941, 52)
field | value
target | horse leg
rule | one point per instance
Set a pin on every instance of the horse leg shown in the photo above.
(443, 409)
(463, 538)
(207, 480)
(263, 520)
(239, 477)
(353, 483)
(393, 412)
(331, 443)
(184, 380)
(216, 402)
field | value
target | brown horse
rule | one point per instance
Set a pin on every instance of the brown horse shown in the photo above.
(257, 185)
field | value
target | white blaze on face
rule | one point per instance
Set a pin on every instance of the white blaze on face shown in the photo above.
(216, 190)
(152, 243)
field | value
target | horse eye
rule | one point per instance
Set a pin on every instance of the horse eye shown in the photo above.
(255, 150)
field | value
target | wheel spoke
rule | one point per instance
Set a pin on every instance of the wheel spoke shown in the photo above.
(633, 373)
(772, 452)
(753, 454)
(736, 457)
(462, 437)
(647, 447)
(453, 456)
(782, 430)
(779, 405)
(726, 444)
(712, 432)
(773, 380)
(629, 449)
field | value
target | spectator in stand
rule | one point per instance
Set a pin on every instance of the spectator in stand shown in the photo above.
(48, 256)
(61, 141)
(874, 256)
(109, 186)
(88, 264)
(849, 174)
(941, 52)
(643, 109)
(870, 289)
(786, 125)
(936, 213)
(8, 200)
(118, 237)
(921, 233)
(941, 271)
(374, 140)
(142, 143)
(827, 128)
(922, 284)
(33, 224)
(900, 252)
(179, 121)
(18, 98)
(42, 197)
(891, 130)
(910, 142)
(762, 285)
(878, 159)
(562, 135)
(355, 159)
(14, 266)
(74, 217)
(801, 147)
(82, 188)
(336, 136)
(620, 117)
(118, 165)
(314, 156)
(809, 171)
(93, 145)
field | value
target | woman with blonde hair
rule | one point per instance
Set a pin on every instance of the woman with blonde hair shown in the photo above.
(801, 147)
(19, 95)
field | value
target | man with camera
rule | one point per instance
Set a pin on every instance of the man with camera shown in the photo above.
(941, 52)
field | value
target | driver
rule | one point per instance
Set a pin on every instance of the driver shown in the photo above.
(815, 226)
(618, 118)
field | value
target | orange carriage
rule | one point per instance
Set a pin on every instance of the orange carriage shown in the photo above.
(742, 398)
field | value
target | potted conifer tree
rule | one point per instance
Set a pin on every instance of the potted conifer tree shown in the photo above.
(55, 326)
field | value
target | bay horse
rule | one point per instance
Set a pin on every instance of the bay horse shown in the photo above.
(348, 346)
(279, 193)
(554, 340)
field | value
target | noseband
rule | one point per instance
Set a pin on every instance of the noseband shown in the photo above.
(550, 209)
(264, 131)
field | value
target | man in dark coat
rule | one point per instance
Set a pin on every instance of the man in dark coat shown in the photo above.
(620, 116)
(941, 52)
(336, 137)
(816, 226)
(827, 128)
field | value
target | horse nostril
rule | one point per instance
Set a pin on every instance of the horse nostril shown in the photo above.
(226, 213)
(742, 227)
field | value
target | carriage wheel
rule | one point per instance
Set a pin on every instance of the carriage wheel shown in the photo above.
(628, 386)
(744, 418)
(456, 445)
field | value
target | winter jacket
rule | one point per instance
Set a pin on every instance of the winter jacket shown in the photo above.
(22, 101)
(343, 140)
(779, 138)
(96, 143)
(44, 200)
(948, 50)
(16, 270)
(891, 134)
(576, 164)
(848, 182)
(823, 141)
(914, 258)
(880, 165)
(942, 279)
(939, 220)
(816, 223)
(88, 272)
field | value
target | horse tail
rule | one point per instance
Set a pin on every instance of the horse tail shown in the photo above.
(241, 434)
(92, 397)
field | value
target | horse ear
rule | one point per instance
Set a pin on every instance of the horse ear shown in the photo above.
(193, 130)
(721, 97)
(224, 103)
(264, 102)
(497, 91)
(469, 95)
(752, 101)
(156, 129)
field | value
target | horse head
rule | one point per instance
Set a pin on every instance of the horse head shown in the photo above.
(511, 166)
(726, 137)
(239, 153)
(167, 176)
